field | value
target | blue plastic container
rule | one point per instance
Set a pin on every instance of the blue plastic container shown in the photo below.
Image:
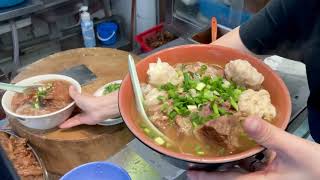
(107, 33)
(9, 3)
(214, 8)
(97, 171)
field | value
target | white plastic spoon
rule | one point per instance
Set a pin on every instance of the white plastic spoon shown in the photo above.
(139, 99)
(19, 89)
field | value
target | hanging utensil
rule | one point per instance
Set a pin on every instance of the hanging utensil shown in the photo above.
(139, 99)
(214, 29)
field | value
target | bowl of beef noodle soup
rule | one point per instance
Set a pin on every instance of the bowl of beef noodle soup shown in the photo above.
(44, 107)
(198, 95)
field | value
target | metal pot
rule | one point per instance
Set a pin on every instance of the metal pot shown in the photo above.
(45, 173)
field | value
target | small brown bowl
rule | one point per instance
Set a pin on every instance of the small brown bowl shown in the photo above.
(208, 54)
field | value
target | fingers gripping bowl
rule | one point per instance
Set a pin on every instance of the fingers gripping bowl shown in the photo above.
(31, 114)
(219, 56)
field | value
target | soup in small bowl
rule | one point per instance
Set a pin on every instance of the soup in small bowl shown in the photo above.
(44, 107)
(197, 95)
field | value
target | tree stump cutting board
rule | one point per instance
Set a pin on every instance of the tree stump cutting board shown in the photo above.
(62, 150)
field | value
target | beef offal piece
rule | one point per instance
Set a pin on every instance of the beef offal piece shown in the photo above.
(224, 131)
(184, 125)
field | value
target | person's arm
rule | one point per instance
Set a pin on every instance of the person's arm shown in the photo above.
(232, 40)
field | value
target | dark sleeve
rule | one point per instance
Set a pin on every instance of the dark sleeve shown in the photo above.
(278, 26)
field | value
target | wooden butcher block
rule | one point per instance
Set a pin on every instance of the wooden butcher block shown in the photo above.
(62, 150)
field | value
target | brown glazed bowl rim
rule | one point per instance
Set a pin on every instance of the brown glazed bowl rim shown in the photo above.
(193, 158)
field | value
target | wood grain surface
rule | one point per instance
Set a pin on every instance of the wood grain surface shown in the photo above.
(62, 150)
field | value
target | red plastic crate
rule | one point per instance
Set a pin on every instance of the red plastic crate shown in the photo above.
(141, 38)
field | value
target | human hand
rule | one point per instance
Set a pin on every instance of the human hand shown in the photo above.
(295, 158)
(94, 109)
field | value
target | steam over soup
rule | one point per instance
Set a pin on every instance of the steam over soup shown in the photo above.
(200, 106)
(51, 97)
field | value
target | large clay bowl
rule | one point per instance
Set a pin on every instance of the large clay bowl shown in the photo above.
(207, 54)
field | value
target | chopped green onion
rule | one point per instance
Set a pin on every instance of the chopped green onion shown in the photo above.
(192, 107)
(200, 153)
(221, 151)
(180, 90)
(222, 111)
(200, 86)
(194, 124)
(165, 107)
(233, 103)
(208, 95)
(161, 98)
(196, 76)
(167, 87)
(216, 93)
(168, 145)
(215, 109)
(212, 117)
(226, 84)
(236, 94)
(172, 93)
(172, 115)
(199, 150)
(36, 105)
(159, 141)
(177, 110)
(203, 69)
(40, 94)
(196, 119)
(146, 130)
(193, 92)
(180, 73)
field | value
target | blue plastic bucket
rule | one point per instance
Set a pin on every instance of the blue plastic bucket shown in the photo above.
(107, 33)
(9, 3)
(97, 171)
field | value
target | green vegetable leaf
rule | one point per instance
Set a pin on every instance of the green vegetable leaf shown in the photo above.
(215, 109)
(172, 115)
(203, 69)
(233, 104)
(40, 94)
(200, 86)
(188, 83)
(164, 107)
(222, 111)
(196, 119)
(167, 87)
(161, 98)
(111, 88)
(199, 151)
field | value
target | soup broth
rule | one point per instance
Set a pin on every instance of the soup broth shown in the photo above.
(51, 97)
(200, 107)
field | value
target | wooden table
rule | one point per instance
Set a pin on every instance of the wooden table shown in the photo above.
(62, 150)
